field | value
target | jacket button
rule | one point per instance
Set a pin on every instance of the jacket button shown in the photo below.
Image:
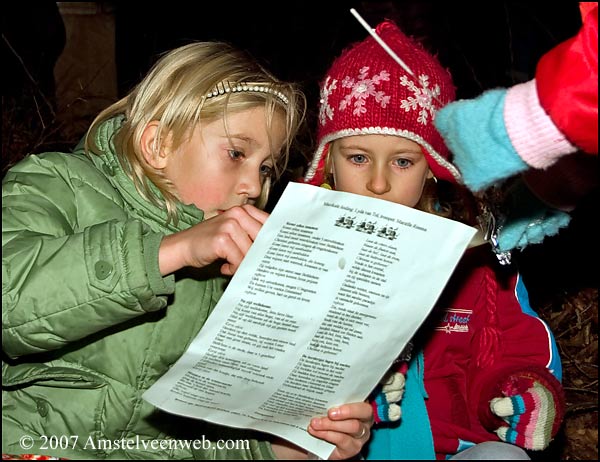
(42, 407)
(103, 269)
(108, 169)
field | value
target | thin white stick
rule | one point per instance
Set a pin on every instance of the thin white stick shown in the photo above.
(389, 51)
(379, 40)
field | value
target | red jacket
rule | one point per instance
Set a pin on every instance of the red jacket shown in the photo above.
(481, 331)
(567, 83)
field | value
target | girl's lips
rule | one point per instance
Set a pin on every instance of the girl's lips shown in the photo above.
(221, 211)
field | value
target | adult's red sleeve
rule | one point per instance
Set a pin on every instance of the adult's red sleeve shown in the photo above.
(567, 85)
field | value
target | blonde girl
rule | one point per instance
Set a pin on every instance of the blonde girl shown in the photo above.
(114, 256)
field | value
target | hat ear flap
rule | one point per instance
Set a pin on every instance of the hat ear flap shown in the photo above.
(316, 174)
(428, 158)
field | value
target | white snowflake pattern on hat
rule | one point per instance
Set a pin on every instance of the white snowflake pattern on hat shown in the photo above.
(326, 110)
(422, 99)
(362, 88)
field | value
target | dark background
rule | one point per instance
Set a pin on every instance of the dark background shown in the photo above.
(485, 44)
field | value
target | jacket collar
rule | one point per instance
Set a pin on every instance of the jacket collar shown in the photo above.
(109, 164)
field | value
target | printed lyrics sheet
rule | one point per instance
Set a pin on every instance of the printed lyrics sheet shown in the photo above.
(329, 294)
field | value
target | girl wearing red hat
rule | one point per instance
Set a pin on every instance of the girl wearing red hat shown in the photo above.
(483, 380)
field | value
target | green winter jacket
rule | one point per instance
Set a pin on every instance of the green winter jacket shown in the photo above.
(88, 322)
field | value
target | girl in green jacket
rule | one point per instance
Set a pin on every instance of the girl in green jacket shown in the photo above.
(114, 256)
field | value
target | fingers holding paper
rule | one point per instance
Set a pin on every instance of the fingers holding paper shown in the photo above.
(226, 237)
(348, 427)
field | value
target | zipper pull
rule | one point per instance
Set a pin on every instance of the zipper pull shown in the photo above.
(488, 222)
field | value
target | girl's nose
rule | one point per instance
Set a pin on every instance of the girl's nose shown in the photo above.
(251, 183)
(378, 182)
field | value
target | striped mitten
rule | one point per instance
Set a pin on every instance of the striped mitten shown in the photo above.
(385, 401)
(533, 415)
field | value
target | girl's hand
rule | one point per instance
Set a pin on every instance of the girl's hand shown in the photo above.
(348, 427)
(227, 236)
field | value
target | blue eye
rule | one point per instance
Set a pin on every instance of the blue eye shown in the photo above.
(403, 163)
(266, 170)
(358, 159)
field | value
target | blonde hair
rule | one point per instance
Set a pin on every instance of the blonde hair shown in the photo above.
(178, 93)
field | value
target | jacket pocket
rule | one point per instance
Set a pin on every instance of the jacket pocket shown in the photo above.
(61, 408)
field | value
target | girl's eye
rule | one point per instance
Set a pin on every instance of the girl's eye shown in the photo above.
(402, 163)
(235, 154)
(358, 159)
(266, 170)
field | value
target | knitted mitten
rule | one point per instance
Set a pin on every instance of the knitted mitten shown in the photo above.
(475, 132)
(499, 134)
(386, 398)
(532, 407)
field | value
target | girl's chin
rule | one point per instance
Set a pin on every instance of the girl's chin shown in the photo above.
(212, 214)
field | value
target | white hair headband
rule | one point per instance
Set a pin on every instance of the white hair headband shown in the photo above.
(227, 87)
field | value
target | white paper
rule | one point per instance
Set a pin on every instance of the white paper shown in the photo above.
(331, 291)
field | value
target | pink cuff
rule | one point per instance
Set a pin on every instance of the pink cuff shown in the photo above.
(531, 131)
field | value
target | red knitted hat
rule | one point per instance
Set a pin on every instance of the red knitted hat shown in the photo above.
(367, 92)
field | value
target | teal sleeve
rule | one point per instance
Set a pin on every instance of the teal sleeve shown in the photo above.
(410, 438)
